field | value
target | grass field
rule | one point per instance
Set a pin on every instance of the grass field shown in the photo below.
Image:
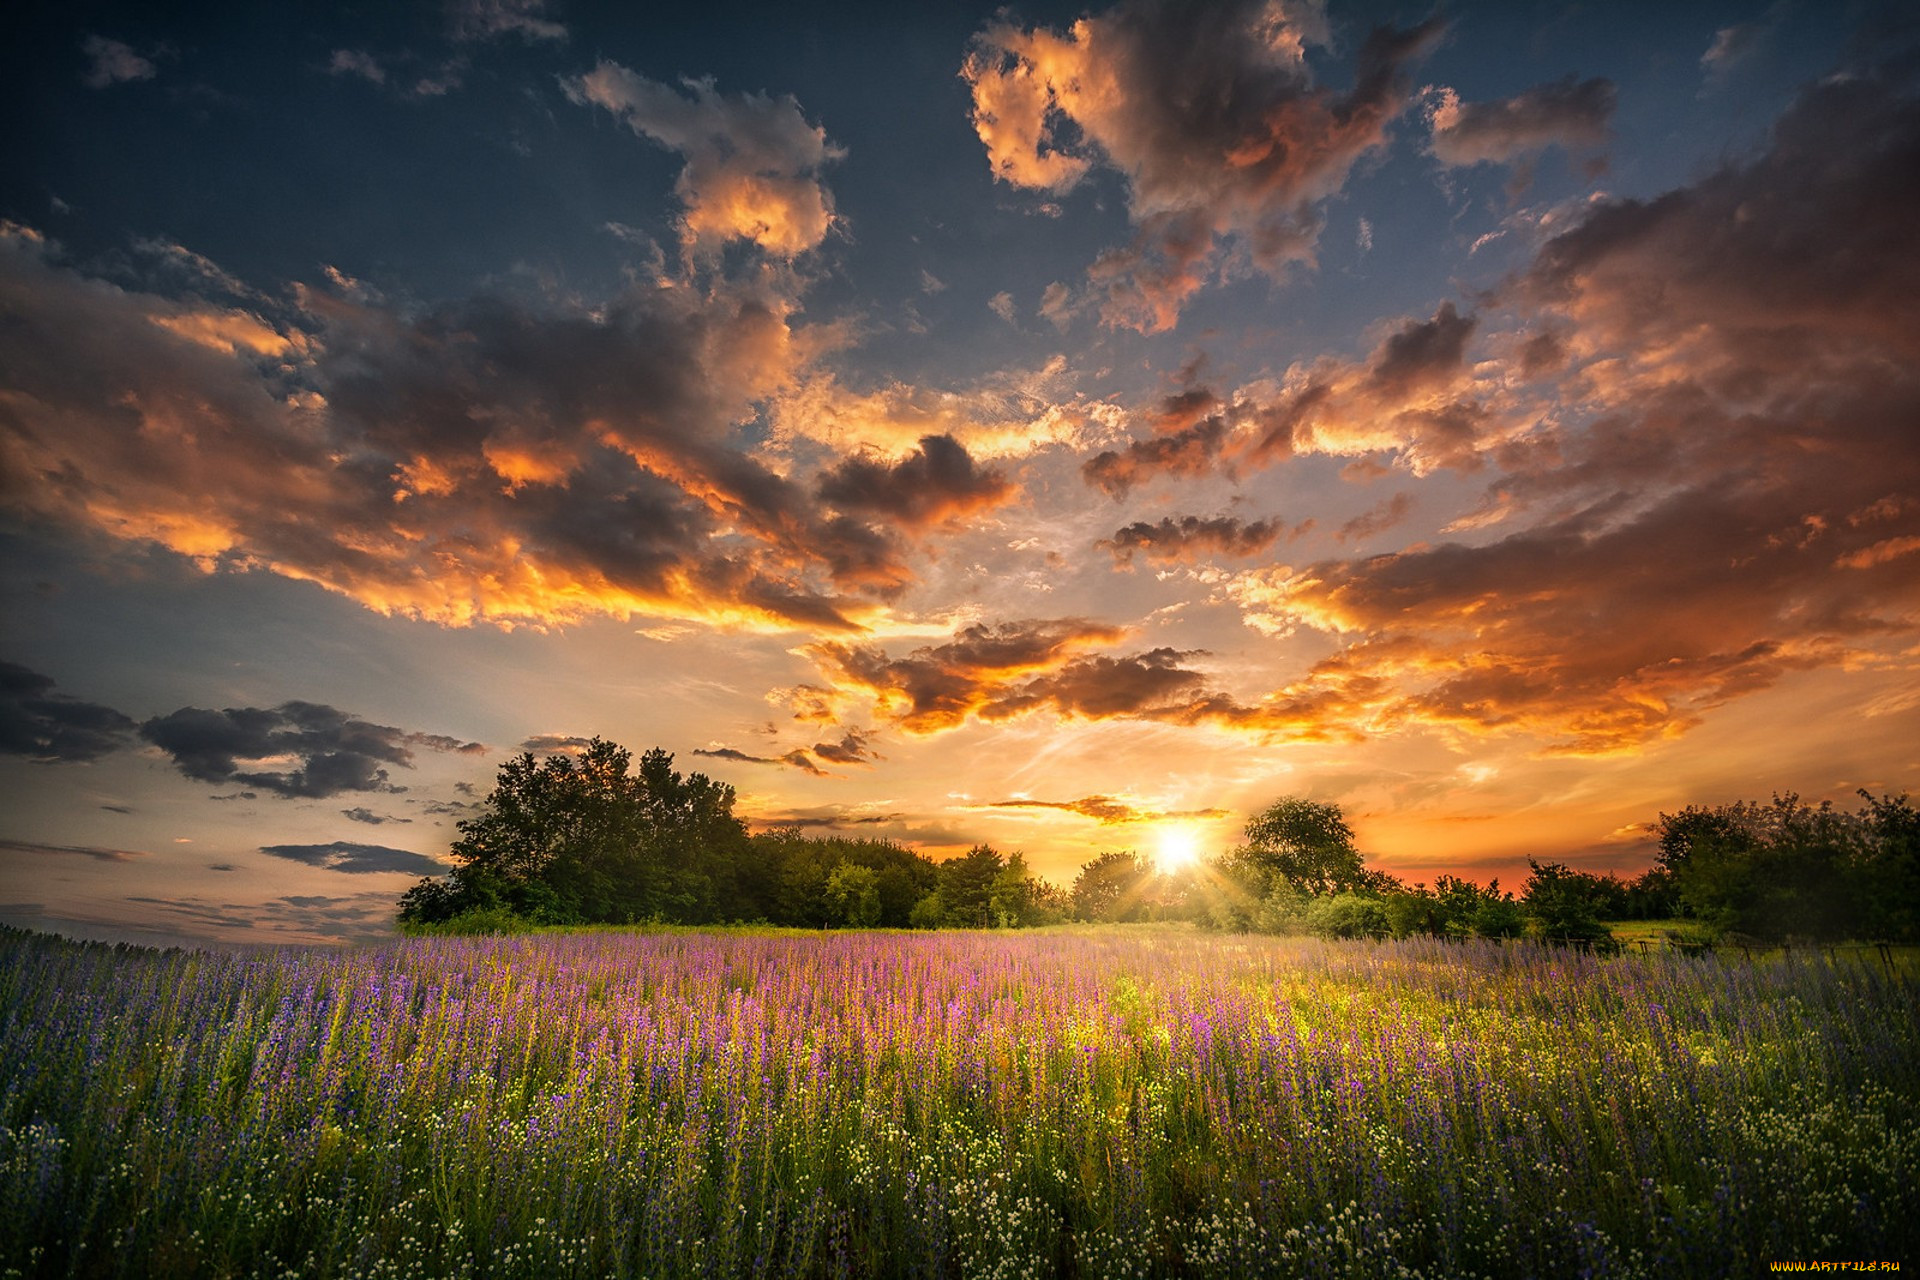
(1118, 1102)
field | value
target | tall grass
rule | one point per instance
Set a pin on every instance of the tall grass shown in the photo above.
(1109, 1103)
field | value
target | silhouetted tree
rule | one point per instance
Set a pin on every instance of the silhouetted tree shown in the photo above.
(582, 839)
(1561, 902)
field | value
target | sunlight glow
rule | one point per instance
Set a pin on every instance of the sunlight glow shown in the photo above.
(1179, 849)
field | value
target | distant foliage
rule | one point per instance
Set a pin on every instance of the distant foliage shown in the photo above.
(1788, 869)
(593, 839)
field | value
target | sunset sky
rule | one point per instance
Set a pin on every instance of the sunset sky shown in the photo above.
(1070, 429)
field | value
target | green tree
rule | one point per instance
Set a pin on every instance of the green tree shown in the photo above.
(853, 891)
(966, 886)
(1348, 915)
(585, 839)
(1306, 844)
(1886, 875)
(1013, 898)
(1110, 887)
(1787, 869)
(1561, 903)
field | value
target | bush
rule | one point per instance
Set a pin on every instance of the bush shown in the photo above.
(1498, 918)
(929, 913)
(1348, 915)
(1283, 910)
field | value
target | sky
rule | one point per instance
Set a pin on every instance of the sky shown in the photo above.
(1068, 429)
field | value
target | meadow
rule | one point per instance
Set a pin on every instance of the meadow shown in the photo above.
(1084, 1101)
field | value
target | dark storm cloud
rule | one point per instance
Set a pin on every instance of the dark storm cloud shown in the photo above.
(1568, 113)
(936, 483)
(72, 850)
(355, 859)
(1246, 163)
(335, 752)
(49, 727)
(1191, 537)
(1737, 505)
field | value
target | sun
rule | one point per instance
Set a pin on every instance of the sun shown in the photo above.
(1179, 849)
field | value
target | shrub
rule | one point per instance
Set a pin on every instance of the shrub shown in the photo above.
(1348, 915)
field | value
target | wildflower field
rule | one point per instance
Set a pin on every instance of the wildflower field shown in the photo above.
(1117, 1102)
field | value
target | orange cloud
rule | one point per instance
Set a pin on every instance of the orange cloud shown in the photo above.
(1731, 424)
(1248, 160)
(1009, 416)
(753, 162)
(1110, 811)
(484, 462)
(1041, 667)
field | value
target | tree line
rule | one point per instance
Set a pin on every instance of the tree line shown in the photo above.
(593, 839)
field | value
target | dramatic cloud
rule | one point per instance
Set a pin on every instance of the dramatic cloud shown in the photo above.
(320, 752)
(355, 859)
(477, 462)
(109, 62)
(851, 749)
(1571, 114)
(936, 484)
(1211, 115)
(1014, 414)
(753, 162)
(72, 851)
(1189, 430)
(49, 726)
(1721, 488)
(940, 686)
(1040, 667)
(1192, 537)
(1415, 395)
